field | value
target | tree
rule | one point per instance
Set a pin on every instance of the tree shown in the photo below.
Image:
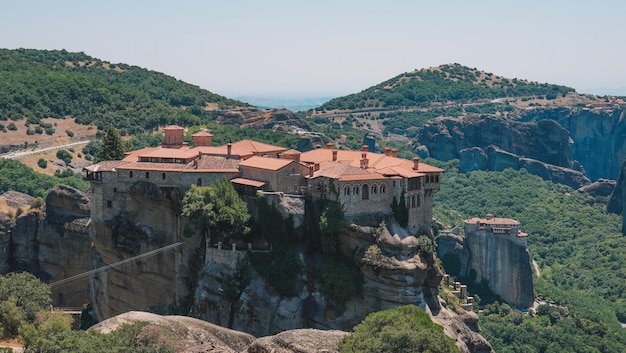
(22, 295)
(218, 208)
(111, 146)
(405, 329)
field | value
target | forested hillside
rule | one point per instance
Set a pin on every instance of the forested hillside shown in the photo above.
(579, 249)
(38, 84)
(443, 84)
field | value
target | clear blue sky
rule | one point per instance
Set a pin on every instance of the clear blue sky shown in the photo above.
(330, 48)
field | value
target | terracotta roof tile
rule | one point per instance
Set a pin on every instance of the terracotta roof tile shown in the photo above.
(248, 182)
(267, 163)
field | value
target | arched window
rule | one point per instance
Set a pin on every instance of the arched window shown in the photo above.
(147, 175)
(365, 192)
(346, 191)
(374, 189)
(413, 201)
(356, 190)
(419, 200)
(382, 189)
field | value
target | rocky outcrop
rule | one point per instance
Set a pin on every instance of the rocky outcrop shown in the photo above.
(190, 335)
(148, 277)
(299, 341)
(496, 159)
(50, 240)
(261, 119)
(546, 140)
(600, 188)
(501, 260)
(597, 137)
(464, 328)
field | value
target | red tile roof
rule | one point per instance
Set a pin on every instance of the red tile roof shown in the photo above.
(248, 182)
(267, 163)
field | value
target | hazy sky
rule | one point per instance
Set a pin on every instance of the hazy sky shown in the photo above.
(330, 48)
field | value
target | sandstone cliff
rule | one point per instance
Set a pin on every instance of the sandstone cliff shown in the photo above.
(496, 159)
(502, 261)
(597, 137)
(569, 138)
(51, 241)
(397, 270)
(149, 222)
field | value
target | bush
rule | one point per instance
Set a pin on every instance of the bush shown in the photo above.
(69, 133)
(405, 329)
(65, 156)
(12, 127)
(42, 163)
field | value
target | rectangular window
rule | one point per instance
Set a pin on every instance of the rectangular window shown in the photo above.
(114, 189)
(130, 175)
(163, 176)
(109, 203)
(147, 175)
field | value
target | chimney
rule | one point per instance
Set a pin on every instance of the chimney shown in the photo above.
(387, 151)
(329, 146)
(394, 152)
(311, 171)
(316, 166)
(489, 216)
(229, 148)
(416, 163)
(364, 160)
(334, 155)
(365, 148)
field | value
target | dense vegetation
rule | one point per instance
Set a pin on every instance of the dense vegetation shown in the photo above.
(18, 177)
(38, 84)
(22, 296)
(448, 83)
(405, 329)
(579, 249)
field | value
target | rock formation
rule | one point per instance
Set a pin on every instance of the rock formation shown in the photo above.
(500, 259)
(496, 159)
(51, 241)
(149, 222)
(593, 133)
(545, 140)
(570, 138)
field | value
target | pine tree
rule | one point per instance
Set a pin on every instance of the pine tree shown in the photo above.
(111, 146)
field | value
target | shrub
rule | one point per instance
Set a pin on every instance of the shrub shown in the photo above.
(42, 163)
(65, 156)
(12, 127)
(69, 133)
(340, 279)
(405, 329)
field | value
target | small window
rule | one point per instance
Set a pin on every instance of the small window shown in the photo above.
(147, 175)
(114, 189)
(109, 203)
(382, 189)
(199, 182)
(394, 183)
(356, 190)
(346, 191)
(130, 175)
(163, 176)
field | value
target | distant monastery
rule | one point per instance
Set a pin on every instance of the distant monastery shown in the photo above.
(364, 182)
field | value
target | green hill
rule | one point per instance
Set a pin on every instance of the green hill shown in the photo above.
(452, 83)
(39, 84)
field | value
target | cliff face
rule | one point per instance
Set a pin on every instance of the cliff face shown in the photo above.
(159, 278)
(572, 139)
(396, 271)
(502, 260)
(51, 242)
(496, 159)
(598, 138)
(545, 140)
